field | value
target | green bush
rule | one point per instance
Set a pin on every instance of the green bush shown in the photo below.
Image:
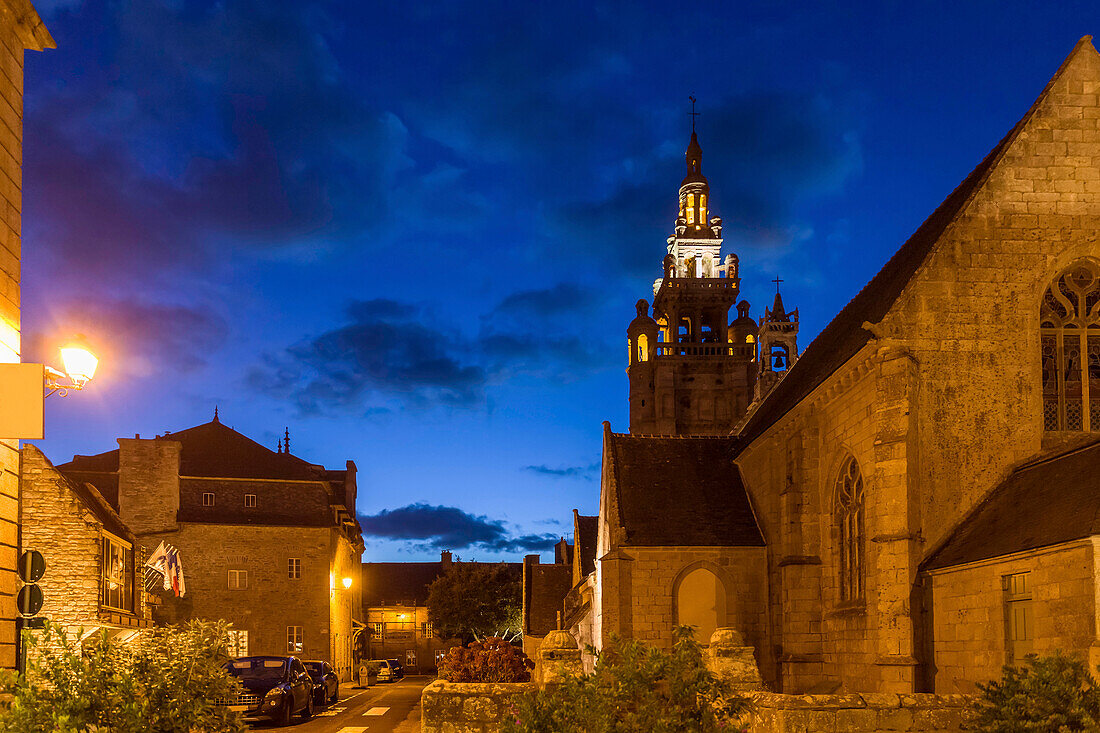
(1052, 694)
(168, 680)
(491, 660)
(634, 689)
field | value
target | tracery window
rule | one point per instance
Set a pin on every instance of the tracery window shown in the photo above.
(1069, 320)
(848, 514)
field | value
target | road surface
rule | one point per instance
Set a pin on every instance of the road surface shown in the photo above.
(385, 708)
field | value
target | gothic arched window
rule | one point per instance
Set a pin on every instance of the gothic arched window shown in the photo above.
(848, 514)
(1069, 328)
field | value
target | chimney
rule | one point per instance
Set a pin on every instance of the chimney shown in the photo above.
(445, 557)
(148, 483)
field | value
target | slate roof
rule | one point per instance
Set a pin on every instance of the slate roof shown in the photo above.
(680, 491)
(214, 450)
(1048, 501)
(587, 530)
(545, 590)
(845, 335)
(393, 583)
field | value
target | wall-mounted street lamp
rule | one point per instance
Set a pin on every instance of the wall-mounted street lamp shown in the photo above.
(80, 365)
(347, 583)
(24, 387)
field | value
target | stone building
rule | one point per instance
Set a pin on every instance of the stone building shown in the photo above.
(922, 475)
(94, 563)
(20, 29)
(395, 602)
(268, 541)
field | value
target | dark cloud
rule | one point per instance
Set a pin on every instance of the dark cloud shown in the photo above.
(206, 126)
(390, 350)
(132, 338)
(387, 349)
(448, 527)
(585, 472)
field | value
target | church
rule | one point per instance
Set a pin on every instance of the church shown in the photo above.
(911, 501)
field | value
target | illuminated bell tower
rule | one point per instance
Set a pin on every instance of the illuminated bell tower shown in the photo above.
(690, 371)
(778, 339)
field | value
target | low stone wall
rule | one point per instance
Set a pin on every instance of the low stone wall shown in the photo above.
(468, 707)
(858, 713)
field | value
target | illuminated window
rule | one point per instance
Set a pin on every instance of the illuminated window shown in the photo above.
(376, 629)
(250, 501)
(691, 208)
(1019, 624)
(426, 629)
(117, 574)
(643, 348)
(238, 643)
(238, 579)
(848, 514)
(294, 568)
(1069, 320)
(208, 499)
(294, 643)
(703, 208)
(749, 339)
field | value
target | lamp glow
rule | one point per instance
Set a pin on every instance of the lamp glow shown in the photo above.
(347, 583)
(80, 364)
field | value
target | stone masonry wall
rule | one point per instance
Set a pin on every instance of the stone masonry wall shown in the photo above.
(448, 707)
(791, 473)
(148, 484)
(57, 524)
(465, 707)
(280, 502)
(864, 713)
(272, 601)
(971, 316)
(347, 603)
(742, 570)
(20, 28)
(968, 612)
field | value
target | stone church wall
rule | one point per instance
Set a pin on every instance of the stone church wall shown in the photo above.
(968, 612)
(949, 400)
(971, 316)
(791, 473)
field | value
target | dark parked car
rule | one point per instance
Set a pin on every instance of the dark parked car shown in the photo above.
(398, 670)
(326, 685)
(275, 688)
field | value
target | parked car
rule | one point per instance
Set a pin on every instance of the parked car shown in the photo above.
(275, 688)
(398, 669)
(387, 670)
(326, 685)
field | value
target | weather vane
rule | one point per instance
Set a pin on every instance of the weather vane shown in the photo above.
(693, 113)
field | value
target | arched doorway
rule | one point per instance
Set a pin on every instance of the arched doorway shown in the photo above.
(701, 603)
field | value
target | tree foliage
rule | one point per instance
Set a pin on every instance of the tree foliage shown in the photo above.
(474, 601)
(1051, 694)
(634, 688)
(168, 680)
(492, 660)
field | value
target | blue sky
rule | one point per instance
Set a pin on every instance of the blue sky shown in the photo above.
(414, 232)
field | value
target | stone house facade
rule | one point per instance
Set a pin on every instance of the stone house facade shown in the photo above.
(966, 360)
(94, 562)
(20, 29)
(267, 540)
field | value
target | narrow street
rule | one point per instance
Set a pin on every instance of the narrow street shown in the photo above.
(384, 708)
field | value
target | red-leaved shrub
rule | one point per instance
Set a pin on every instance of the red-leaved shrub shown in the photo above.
(491, 660)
